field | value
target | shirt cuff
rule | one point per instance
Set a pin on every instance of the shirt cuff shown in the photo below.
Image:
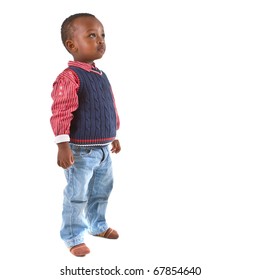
(62, 138)
(117, 135)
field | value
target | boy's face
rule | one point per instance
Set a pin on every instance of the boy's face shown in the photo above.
(88, 40)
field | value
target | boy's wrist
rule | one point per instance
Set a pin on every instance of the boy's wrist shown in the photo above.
(63, 145)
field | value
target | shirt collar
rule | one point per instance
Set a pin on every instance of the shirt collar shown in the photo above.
(86, 66)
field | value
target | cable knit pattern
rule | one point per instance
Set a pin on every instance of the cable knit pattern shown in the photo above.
(94, 121)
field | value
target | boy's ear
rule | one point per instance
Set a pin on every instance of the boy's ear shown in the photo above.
(70, 46)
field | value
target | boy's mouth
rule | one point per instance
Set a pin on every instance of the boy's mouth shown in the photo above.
(101, 49)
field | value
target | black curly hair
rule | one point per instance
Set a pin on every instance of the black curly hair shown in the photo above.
(67, 26)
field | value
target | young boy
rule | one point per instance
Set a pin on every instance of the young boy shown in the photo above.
(84, 120)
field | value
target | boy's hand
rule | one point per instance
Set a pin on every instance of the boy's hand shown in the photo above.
(65, 156)
(116, 148)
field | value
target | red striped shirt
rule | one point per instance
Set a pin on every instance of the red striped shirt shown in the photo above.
(65, 100)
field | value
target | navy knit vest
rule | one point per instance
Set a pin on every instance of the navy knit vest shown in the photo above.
(94, 122)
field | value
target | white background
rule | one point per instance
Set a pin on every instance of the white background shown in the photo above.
(185, 75)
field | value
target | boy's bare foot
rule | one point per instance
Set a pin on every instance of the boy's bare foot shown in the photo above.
(109, 233)
(80, 250)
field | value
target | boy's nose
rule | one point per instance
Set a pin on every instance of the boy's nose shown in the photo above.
(101, 40)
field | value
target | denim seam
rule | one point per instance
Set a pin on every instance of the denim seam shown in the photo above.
(73, 191)
(90, 190)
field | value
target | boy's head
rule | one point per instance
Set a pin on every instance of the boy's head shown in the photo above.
(83, 36)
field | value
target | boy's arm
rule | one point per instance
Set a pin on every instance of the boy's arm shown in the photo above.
(116, 148)
(65, 102)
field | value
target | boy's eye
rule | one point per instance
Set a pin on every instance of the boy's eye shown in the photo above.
(92, 35)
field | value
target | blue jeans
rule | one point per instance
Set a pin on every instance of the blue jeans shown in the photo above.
(89, 183)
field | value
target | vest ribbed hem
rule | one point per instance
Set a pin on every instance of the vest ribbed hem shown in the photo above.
(95, 142)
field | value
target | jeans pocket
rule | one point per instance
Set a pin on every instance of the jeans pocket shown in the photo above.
(81, 151)
(86, 152)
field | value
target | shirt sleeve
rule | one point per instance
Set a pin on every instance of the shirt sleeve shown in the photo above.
(117, 116)
(65, 102)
